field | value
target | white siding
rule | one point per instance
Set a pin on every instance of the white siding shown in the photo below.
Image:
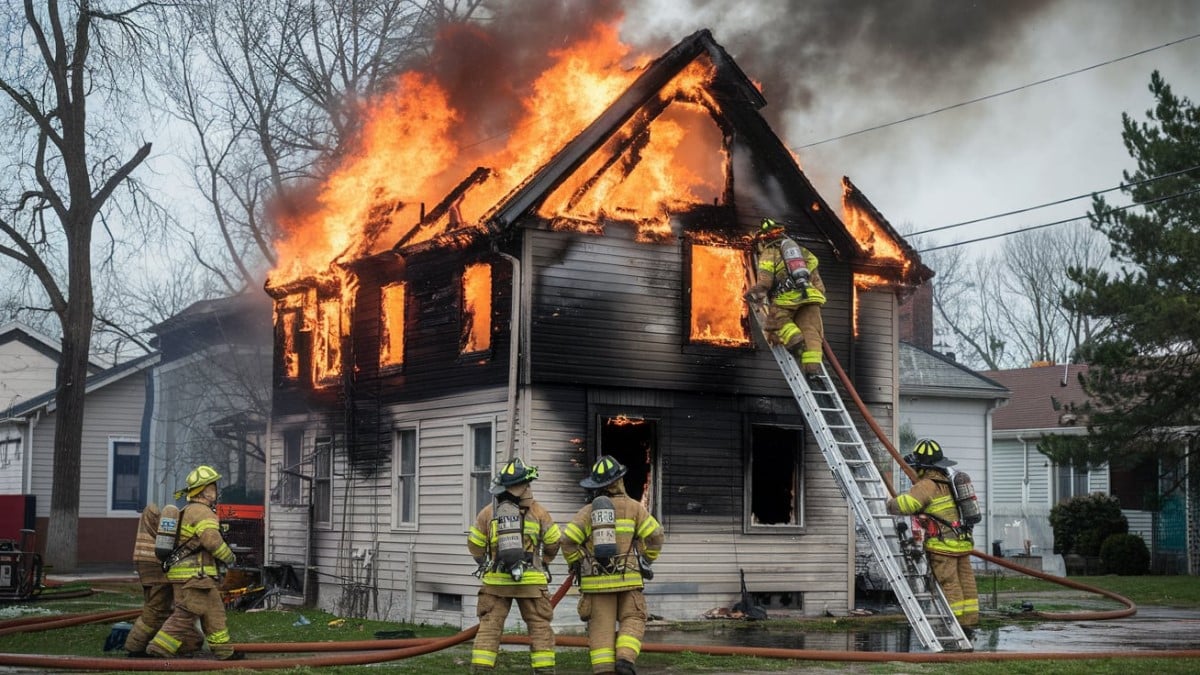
(12, 459)
(24, 373)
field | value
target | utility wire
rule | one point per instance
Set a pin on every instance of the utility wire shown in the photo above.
(1059, 222)
(1000, 93)
(1054, 203)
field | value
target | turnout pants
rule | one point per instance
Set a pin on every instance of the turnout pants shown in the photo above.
(608, 642)
(801, 330)
(957, 579)
(196, 599)
(156, 607)
(492, 610)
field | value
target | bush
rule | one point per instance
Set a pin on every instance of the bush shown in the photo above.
(1081, 524)
(1125, 555)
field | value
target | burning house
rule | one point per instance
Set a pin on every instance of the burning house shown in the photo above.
(577, 291)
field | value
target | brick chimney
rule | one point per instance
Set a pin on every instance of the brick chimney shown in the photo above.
(916, 317)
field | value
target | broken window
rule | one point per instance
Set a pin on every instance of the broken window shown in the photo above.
(717, 281)
(391, 332)
(476, 309)
(404, 459)
(327, 346)
(773, 476)
(323, 481)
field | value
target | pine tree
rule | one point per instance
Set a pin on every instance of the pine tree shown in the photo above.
(1145, 368)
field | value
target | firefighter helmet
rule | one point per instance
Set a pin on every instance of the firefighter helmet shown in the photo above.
(606, 471)
(197, 480)
(928, 453)
(769, 228)
(513, 473)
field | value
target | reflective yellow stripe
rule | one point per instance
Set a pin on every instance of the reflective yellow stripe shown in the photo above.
(603, 656)
(629, 642)
(575, 534)
(531, 577)
(908, 504)
(541, 659)
(611, 582)
(482, 657)
(165, 642)
(553, 534)
(648, 527)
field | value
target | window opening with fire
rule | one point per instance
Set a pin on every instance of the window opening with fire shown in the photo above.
(774, 481)
(476, 309)
(327, 344)
(633, 441)
(391, 330)
(289, 324)
(717, 283)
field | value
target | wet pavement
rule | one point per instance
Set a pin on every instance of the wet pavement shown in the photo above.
(1152, 628)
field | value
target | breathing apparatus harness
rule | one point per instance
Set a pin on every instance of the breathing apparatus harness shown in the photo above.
(605, 555)
(509, 522)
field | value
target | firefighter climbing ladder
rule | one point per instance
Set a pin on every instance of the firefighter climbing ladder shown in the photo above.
(901, 560)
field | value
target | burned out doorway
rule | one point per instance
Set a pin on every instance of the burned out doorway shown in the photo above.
(633, 441)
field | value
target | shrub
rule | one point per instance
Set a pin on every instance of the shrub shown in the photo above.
(1081, 524)
(1125, 555)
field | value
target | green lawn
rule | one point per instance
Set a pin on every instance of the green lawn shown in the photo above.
(278, 626)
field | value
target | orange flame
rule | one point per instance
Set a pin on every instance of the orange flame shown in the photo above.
(718, 282)
(477, 308)
(391, 342)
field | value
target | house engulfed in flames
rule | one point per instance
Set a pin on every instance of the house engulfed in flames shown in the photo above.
(558, 306)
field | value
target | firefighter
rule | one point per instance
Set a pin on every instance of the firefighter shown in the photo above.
(513, 541)
(947, 542)
(196, 567)
(787, 276)
(157, 593)
(610, 545)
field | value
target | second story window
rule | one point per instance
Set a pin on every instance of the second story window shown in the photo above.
(476, 309)
(717, 280)
(327, 343)
(391, 312)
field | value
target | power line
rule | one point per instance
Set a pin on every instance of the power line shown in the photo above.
(1058, 222)
(1000, 93)
(1122, 186)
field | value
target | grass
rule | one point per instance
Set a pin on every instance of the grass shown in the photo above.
(278, 626)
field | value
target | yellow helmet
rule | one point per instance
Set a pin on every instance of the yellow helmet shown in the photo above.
(197, 480)
(769, 228)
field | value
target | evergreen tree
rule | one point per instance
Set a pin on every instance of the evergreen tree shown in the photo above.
(1145, 367)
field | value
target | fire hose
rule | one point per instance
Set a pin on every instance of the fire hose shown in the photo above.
(366, 652)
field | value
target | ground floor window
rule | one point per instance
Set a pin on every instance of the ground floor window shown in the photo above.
(633, 441)
(773, 476)
(126, 488)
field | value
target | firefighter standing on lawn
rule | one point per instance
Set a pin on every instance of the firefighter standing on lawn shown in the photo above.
(158, 596)
(948, 546)
(609, 545)
(787, 276)
(514, 540)
(194, 569)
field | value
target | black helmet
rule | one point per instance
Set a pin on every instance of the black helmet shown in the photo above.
(927, 453)
(606, 471)
(513, 473)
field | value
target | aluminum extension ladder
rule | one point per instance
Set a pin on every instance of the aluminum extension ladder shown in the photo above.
(901, 559)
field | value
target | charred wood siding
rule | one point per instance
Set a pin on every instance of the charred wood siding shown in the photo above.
(610, 311)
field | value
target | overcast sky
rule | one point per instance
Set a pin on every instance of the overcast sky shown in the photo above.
(832, 67)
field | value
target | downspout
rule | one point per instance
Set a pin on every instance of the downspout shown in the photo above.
(1024, 470)
(514, 354)
(30, 424)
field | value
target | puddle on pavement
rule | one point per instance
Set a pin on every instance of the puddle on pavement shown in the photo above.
(1153, 628)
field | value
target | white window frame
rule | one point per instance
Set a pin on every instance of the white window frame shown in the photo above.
(470, 493)
(414, 479)
(108, 491)
(1056, 495)
(290, 488)
(323, 445)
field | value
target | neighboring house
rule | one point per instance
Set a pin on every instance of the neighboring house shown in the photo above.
(943, 400)
(212, 396)
(1026, 483)
(28, 367)
(111, 474)
(405, 380)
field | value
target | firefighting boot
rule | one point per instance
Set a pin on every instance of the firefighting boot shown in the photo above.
(624, 667)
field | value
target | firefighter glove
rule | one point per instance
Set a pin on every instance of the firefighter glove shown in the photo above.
(756, 296)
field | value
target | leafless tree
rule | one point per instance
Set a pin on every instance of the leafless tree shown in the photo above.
(272, 90)
(66, 164)
(1005, 309)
